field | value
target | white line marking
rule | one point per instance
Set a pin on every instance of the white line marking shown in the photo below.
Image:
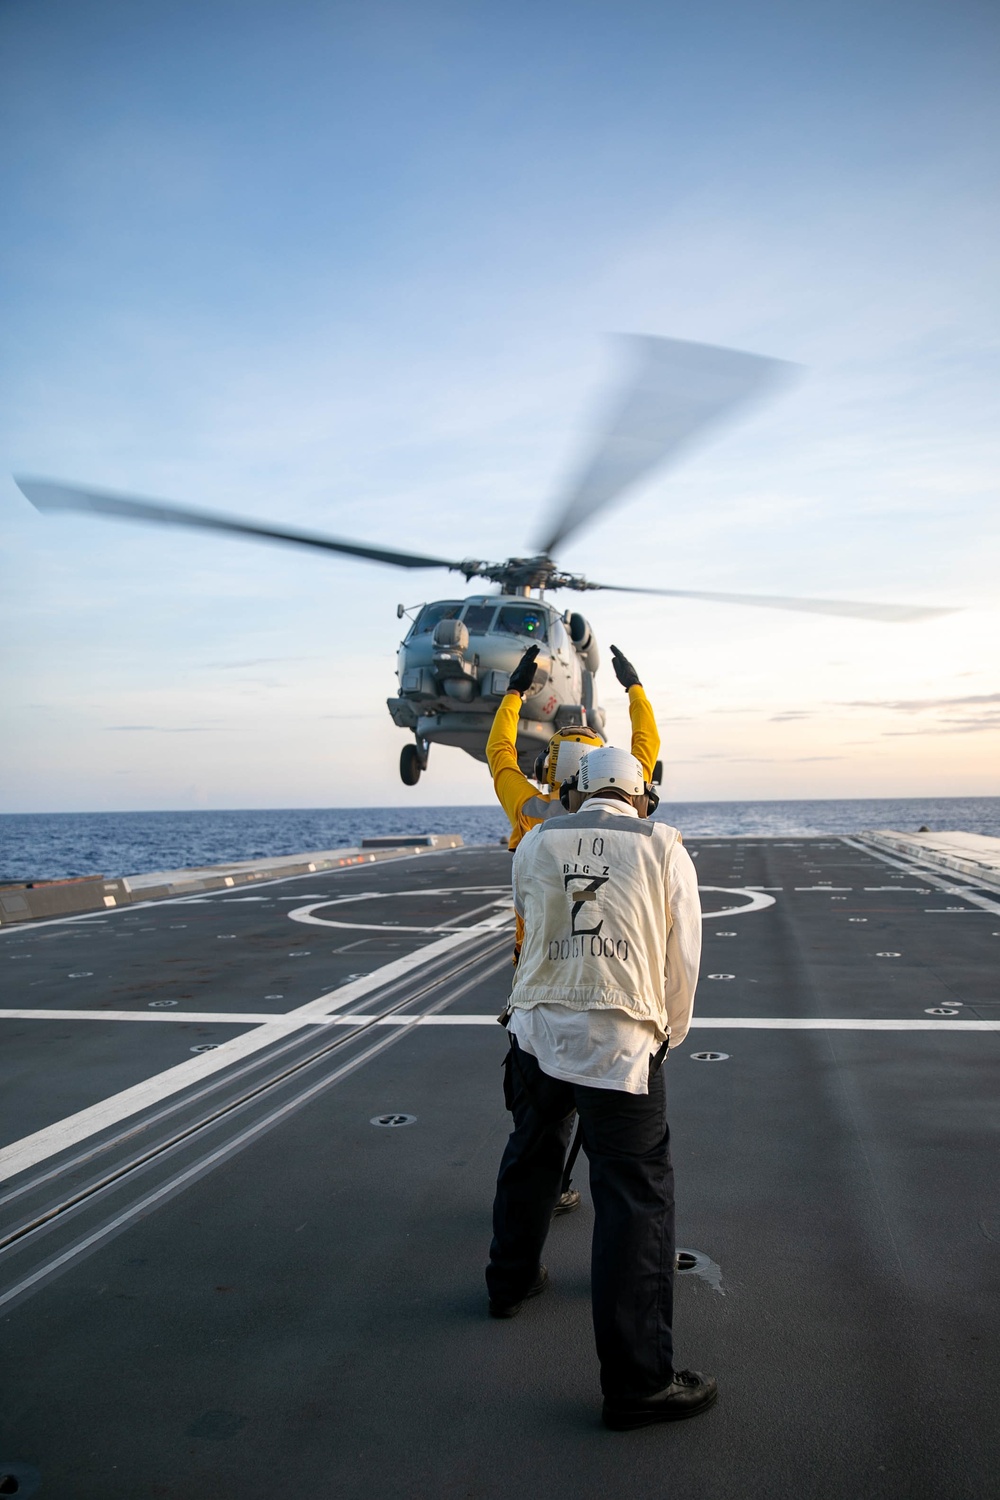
(947, 886)
(835, 1023)
(735, 1023)
(32, 1149)
(295, 1021)
(189, 1017)
(192, 1173)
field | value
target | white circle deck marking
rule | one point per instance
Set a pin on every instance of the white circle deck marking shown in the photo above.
(721, 976)
(307, 913)
(83, 974)
(756, 900)
(888, 955)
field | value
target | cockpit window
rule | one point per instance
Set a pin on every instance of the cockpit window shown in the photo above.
(517, 619)
(432, 613)
(477, 618)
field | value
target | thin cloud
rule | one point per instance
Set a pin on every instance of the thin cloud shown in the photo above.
(749, 760)
(951, 726)
(760, 760)
(792, 713)
(160, 729)
(919, 705)
(251, 661)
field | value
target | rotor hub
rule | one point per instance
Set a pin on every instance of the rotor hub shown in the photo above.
(518, 575)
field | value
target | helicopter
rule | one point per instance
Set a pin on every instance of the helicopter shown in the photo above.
(456, 657)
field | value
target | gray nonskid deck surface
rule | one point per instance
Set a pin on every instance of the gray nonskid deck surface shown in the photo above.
(308, 1317)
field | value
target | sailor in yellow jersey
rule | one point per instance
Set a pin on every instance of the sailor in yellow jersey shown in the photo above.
(524, 804)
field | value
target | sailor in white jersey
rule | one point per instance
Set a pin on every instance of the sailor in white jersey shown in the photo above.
(604, 986)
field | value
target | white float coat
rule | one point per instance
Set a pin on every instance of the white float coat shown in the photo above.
(612, 944)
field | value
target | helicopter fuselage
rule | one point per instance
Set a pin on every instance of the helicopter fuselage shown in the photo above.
(455, 662)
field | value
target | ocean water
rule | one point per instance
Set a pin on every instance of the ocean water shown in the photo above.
(55, 846)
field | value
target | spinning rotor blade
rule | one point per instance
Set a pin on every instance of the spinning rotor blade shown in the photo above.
(677, 389)
(47, 495)
(893, 613)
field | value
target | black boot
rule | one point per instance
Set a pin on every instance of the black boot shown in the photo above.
(687, 1394)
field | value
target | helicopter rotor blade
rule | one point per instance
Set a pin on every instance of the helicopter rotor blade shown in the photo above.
(49, 495)
(846, 608)
(676, 390)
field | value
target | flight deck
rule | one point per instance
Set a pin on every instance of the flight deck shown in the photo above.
(249, 1141)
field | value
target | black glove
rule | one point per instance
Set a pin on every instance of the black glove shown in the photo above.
(523, 674)
(624, 670)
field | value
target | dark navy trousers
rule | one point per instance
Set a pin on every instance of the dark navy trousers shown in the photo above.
(627, 1142)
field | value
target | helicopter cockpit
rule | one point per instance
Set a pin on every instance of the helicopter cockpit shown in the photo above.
(530, 622)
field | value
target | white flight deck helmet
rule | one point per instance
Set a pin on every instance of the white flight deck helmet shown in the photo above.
(609, 766)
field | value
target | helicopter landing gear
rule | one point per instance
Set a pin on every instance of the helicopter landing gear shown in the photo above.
(412, 761)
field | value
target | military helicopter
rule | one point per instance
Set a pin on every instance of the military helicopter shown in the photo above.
(456, 657)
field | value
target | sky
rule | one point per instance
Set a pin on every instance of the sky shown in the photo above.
(354, 268)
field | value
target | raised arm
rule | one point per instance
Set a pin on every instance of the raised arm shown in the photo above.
(515, 792)
(645, 735)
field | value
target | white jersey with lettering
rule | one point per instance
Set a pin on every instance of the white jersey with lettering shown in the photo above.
(612, 922)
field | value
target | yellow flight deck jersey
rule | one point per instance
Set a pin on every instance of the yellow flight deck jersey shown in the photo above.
(520, 799)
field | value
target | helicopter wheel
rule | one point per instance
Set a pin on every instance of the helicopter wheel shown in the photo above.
(410, 765)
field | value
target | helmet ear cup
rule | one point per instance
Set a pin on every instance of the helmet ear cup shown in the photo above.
(570, 785)
(652, 799)
(540, 767)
